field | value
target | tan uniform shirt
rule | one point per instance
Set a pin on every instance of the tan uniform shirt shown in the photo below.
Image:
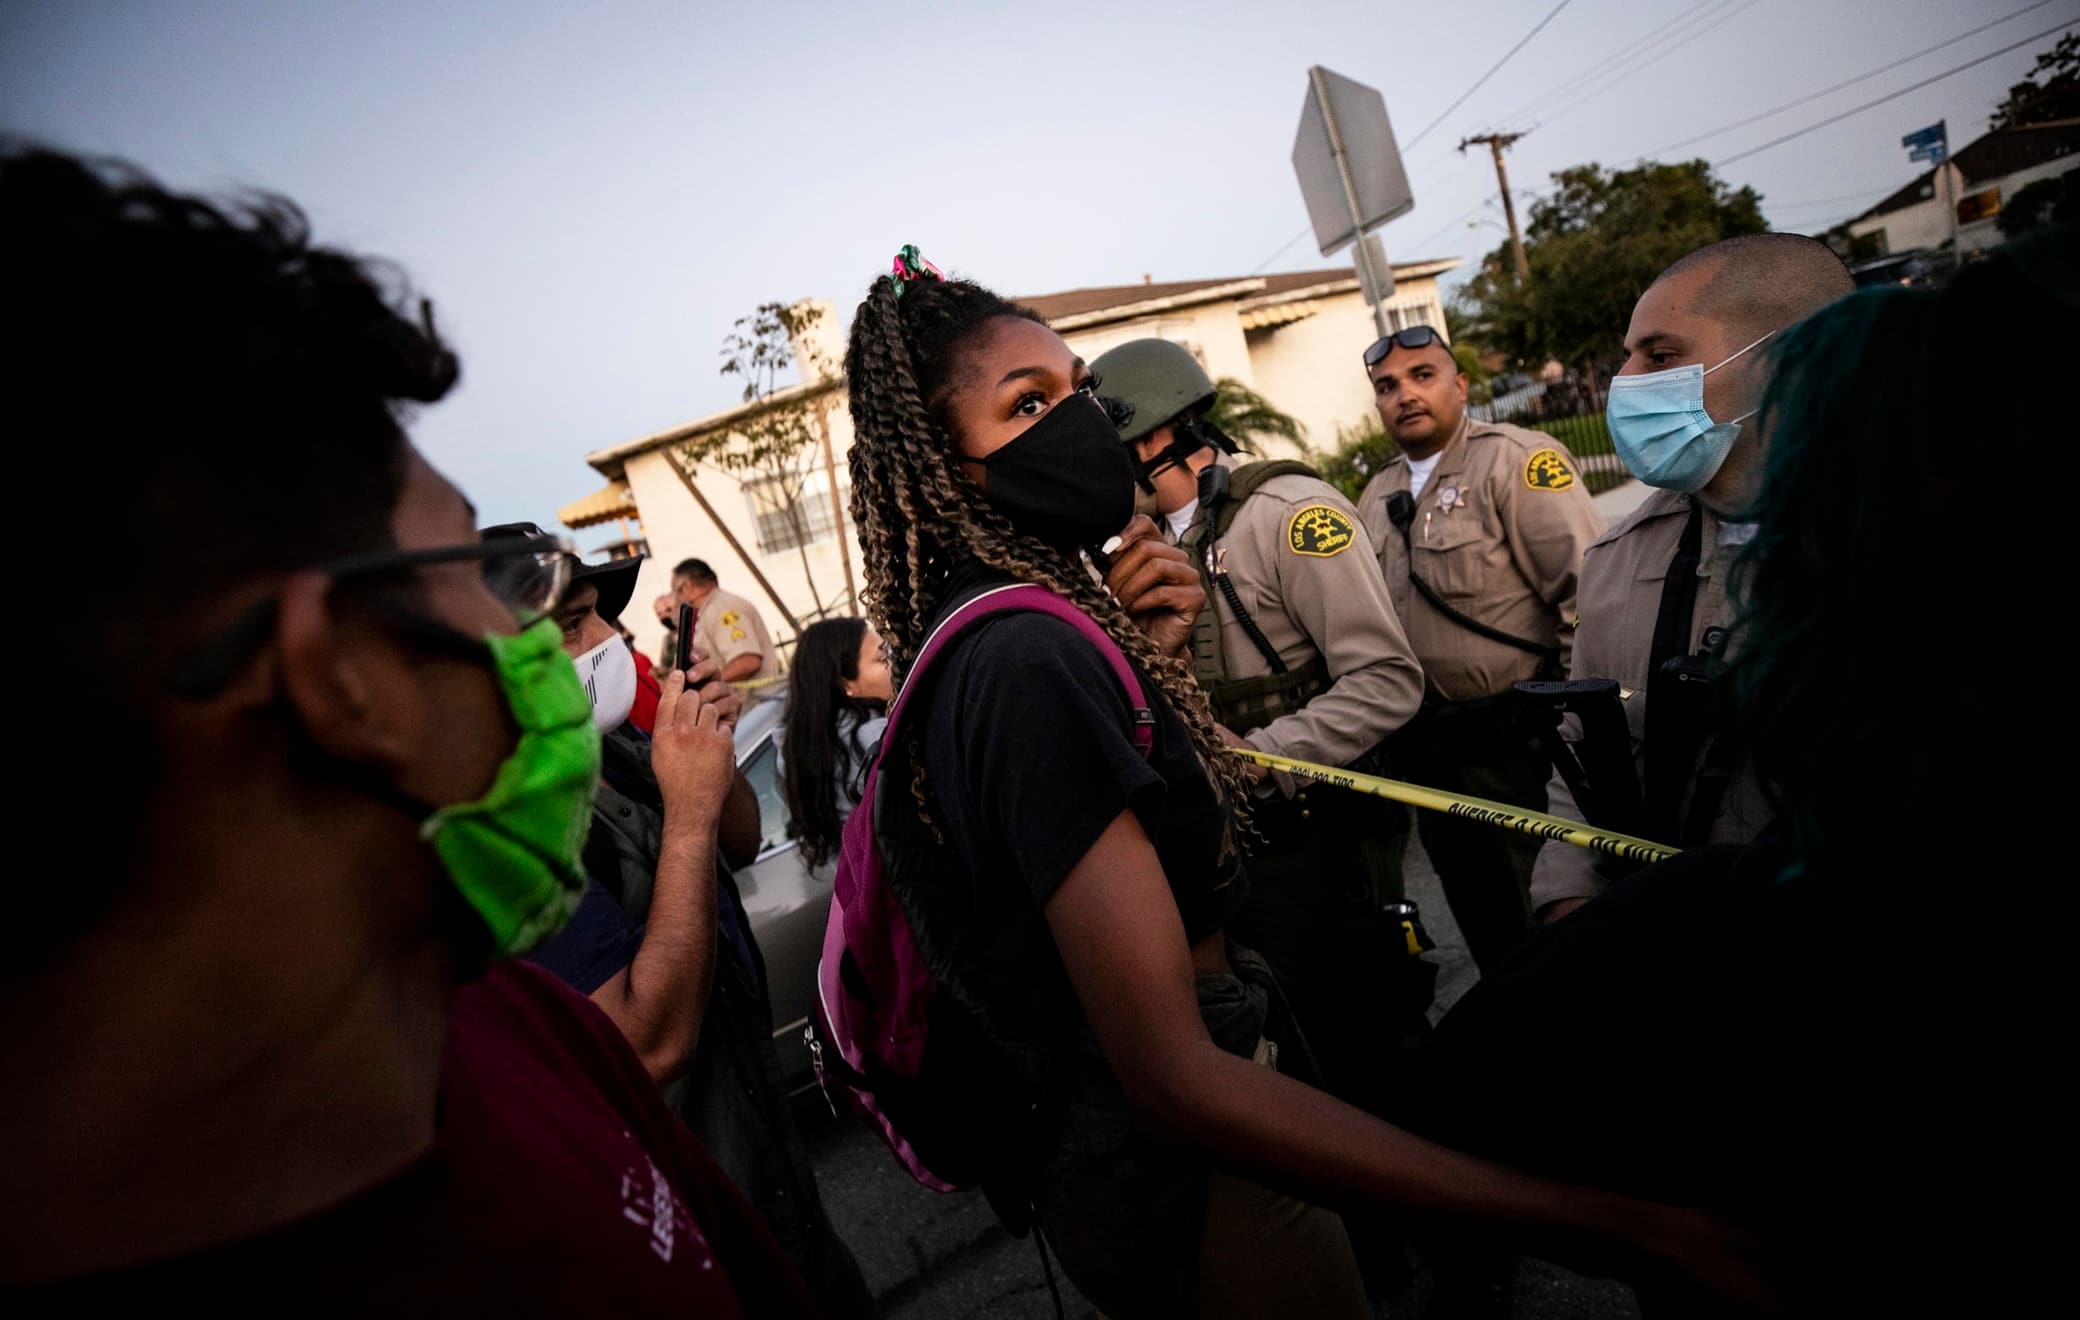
(728, 626)
(1499, 532)
(1305, 570)
(1622, 578)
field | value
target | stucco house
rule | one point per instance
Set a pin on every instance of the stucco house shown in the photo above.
(1978, 181)
(1294, 338)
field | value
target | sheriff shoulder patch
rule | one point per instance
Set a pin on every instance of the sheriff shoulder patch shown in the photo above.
(1321, 531)
(1546, 470)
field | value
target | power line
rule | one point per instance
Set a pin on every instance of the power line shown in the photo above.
(1453, 223)
(1846, 82)
(1889, 96)
(1560, 90)
(1478, 82)
(1283, 248)
(1828, 201)
(1641, 67)
(1287, 246)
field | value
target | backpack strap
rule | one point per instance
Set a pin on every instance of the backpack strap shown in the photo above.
(1011, 598)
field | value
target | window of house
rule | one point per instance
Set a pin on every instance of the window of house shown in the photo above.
(813, 516)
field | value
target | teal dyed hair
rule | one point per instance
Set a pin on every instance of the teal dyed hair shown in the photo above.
(1896, 676)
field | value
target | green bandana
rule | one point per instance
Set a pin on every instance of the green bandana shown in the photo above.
(514, 853)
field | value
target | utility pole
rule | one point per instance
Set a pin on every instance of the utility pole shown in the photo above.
(1496, 142)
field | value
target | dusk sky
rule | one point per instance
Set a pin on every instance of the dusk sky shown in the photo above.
(592, 193)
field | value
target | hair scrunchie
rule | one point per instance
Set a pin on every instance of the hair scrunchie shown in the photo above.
(910, 267)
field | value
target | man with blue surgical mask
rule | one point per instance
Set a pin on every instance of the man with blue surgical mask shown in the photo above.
(1654, 602)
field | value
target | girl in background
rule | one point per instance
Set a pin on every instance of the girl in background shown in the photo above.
(837, 689)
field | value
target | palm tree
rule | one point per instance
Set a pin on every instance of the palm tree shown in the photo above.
(1243, 414)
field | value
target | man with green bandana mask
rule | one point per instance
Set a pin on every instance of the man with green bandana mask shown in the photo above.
(267, 1051)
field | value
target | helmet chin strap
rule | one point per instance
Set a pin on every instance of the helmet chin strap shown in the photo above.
(1188, 435)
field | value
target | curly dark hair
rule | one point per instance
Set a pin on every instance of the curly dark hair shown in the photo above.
(247, 385)
(920, 516)
(230, 398)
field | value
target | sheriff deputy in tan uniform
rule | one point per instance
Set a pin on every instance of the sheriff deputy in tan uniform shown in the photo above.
(1655, 608)
(1301, 655)
(1480, 529)
(726, 626)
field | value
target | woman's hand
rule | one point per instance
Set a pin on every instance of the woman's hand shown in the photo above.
(1157, 586)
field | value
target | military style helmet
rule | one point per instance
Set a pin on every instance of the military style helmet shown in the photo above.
(1160, 379)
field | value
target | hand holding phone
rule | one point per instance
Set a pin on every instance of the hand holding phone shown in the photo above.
(683, 660)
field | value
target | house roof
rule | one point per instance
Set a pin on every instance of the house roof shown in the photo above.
(1065, 311)
(1081, 307)
(1993, 156)
(606, 504)
(611, 462)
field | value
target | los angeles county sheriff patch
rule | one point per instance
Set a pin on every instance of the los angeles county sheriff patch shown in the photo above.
(1321, 531)
(1546, 470)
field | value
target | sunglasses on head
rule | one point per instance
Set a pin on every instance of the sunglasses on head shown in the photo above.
(1416, 336)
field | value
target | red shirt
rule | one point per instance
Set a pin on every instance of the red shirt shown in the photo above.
(559, 1184)
(648, 689)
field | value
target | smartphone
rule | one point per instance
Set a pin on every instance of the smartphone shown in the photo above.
(683, 661)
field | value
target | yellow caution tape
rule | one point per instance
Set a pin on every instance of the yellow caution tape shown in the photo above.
(1471, 808)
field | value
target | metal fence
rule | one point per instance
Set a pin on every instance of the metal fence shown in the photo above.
(1571, 411)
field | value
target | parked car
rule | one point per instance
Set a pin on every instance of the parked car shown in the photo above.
(1909, 268)
(785, 900)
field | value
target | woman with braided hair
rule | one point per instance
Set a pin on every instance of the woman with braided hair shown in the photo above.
(1073, 890)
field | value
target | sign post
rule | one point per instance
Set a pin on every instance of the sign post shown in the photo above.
(1351, 176)
(1933, 144)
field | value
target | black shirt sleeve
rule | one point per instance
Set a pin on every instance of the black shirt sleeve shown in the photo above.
(600, 940)
(1029, 748)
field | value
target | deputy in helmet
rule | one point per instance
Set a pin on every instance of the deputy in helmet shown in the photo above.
(1301, 654)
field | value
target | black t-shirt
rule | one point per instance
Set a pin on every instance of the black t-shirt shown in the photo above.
(1029, 753)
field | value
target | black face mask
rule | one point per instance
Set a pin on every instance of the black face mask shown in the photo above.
(1066, 480)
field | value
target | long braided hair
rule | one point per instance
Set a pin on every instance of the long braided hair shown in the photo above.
(920, 516)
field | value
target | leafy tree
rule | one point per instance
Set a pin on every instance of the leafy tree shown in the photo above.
(1245, 415)
(2052, 90)
(1593, 246)
(1853, 248)
(1467, 354)
(2047, 201)
(774, 445)
(1361, 450)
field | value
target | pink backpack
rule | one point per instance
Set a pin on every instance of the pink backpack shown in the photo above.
(910, 1057)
